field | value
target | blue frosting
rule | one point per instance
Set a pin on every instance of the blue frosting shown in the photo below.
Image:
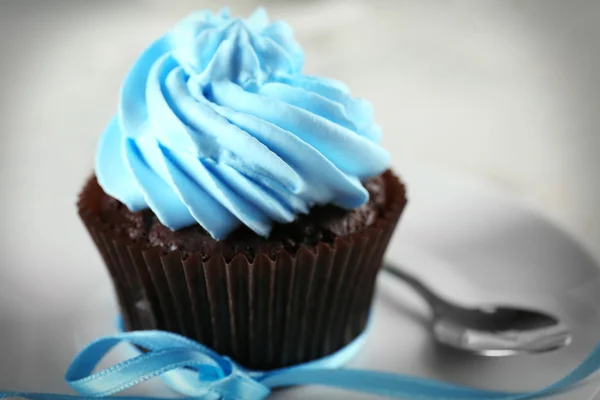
(218, 126)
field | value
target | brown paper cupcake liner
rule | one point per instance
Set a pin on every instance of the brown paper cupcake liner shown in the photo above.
(265, 313)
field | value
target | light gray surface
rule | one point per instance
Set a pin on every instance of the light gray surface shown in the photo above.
(503, 90)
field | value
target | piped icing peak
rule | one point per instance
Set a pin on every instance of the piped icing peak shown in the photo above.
(248, 52)
(218, 126)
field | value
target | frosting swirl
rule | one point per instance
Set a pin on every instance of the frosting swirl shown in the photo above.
(218, 126)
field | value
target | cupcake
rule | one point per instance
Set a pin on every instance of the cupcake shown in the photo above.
(239, 202)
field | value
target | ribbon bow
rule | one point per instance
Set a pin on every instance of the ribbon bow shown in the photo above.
(200, 373)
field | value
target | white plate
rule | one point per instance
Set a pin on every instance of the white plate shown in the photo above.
(464, 238)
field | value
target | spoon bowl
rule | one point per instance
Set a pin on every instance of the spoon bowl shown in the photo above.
(490, 330)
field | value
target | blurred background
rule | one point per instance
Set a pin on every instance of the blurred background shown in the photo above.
(504, 90)
(507, 92)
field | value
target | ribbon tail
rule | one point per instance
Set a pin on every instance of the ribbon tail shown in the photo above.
(383, 384)
(54, 396)
(588, 367)
(414, 388)
(38, 396)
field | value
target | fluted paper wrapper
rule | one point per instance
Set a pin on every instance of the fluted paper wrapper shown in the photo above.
(264, 313)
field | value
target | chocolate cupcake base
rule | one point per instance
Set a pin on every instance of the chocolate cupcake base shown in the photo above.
(268, 311)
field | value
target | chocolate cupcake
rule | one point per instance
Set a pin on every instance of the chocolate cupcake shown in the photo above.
(239, 202)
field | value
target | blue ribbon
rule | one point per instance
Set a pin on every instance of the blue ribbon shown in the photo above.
(210, 376)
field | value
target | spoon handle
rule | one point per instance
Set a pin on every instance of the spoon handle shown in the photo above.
(432, 299)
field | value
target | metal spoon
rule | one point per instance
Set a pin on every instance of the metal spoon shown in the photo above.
(489, 330)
